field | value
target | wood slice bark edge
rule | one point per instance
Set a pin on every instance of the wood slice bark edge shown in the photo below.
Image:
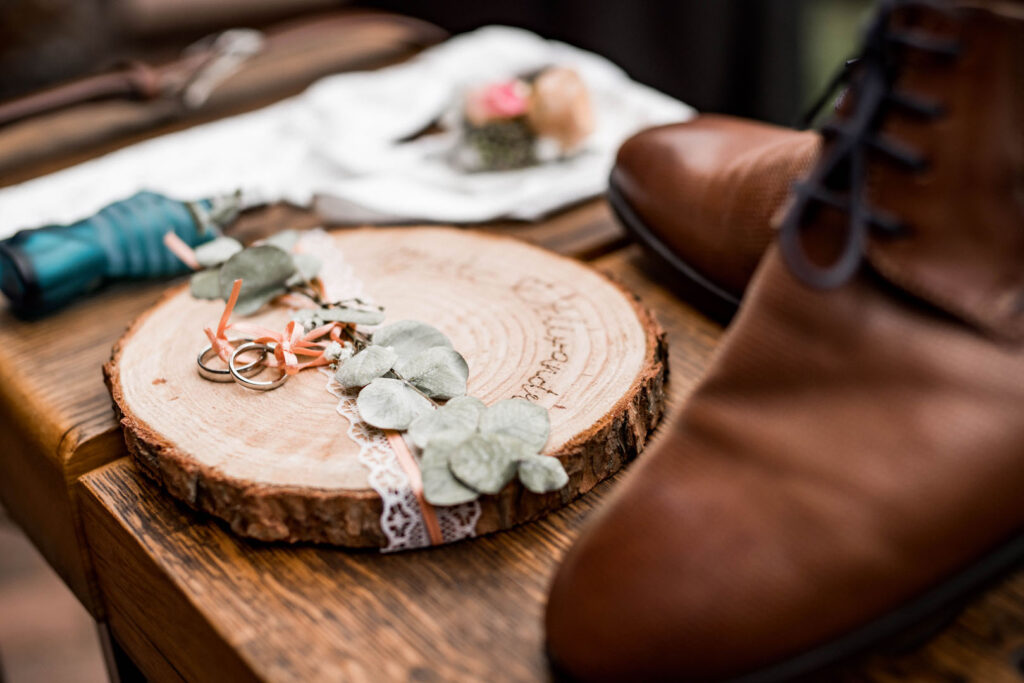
(352, 518)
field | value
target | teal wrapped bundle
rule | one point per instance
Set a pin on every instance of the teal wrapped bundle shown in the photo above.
(45, 268)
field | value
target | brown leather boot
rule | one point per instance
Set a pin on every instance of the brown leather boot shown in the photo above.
(701, 195)
(854, 460)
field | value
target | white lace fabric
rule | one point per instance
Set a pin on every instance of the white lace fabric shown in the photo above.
(401, 518)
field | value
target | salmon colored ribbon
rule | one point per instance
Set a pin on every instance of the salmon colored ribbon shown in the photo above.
(289, 345)
(180, 248)
(412, 471)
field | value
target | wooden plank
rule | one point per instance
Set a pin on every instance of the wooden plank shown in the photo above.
(194, 596)
(186, 595)
(56, 420)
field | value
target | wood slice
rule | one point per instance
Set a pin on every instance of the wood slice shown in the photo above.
(279, 465)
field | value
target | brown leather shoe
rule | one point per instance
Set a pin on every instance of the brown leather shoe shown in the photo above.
(701, 195)
(854, 460)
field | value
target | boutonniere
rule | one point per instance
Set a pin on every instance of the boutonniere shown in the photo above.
(523, 121)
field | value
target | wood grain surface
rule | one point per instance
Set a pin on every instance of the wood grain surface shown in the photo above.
(192, 601)
(280, 465)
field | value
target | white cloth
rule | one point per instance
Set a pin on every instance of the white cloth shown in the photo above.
(340, 142)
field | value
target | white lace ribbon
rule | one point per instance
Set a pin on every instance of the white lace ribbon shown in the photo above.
(401, 518)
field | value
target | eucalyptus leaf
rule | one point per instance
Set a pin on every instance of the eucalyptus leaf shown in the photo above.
(409, 338)
(264, 270)
(487, 463)
(217, 251)
(205, 284)
(284, 240)
(542, 473)
(366, 366)
(391, 404)
(440, 487)
(519, 418)
(307, 267)
(455, 421)
(439, 372)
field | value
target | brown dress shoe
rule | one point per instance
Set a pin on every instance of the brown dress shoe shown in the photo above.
(853, 463)
(701, 196)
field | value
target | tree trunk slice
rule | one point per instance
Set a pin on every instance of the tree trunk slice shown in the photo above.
(279, 465)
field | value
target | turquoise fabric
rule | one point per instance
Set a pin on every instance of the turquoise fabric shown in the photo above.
(45, 268)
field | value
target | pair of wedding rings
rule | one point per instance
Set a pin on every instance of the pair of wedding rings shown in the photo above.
(241, 373)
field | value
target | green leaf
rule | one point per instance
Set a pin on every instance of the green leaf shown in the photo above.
(366, 366)
(253, 301)
(391, 404)
(519, 418)
(454, 421)
(205, 284)
(284, 240)
(439, 372)
(264, 270)
(440, 487)
(217, 251)
(487, 463)
(409, 338)
(542, 473)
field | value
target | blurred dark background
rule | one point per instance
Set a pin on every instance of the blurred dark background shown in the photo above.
(758, 58)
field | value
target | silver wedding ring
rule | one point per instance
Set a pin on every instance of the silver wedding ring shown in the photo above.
(218, 375)
(238, 372)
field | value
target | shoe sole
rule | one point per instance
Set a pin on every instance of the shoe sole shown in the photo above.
(693, 286)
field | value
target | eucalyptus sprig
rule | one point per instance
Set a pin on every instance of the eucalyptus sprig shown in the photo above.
(405, 370)
(469, 449)
(267, 269)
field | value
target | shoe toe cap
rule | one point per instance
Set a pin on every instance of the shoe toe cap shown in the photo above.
(708, 189)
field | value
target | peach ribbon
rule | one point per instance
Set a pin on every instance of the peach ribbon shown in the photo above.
(289, 344)
(180, 248)
(412, 471)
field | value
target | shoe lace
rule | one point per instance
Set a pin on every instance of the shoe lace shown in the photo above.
(839, 181)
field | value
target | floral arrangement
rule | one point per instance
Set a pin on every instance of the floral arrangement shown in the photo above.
(523, 121)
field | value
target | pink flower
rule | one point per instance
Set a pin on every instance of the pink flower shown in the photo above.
(498, 101)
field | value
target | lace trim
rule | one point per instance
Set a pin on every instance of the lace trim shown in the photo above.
(401, 519)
